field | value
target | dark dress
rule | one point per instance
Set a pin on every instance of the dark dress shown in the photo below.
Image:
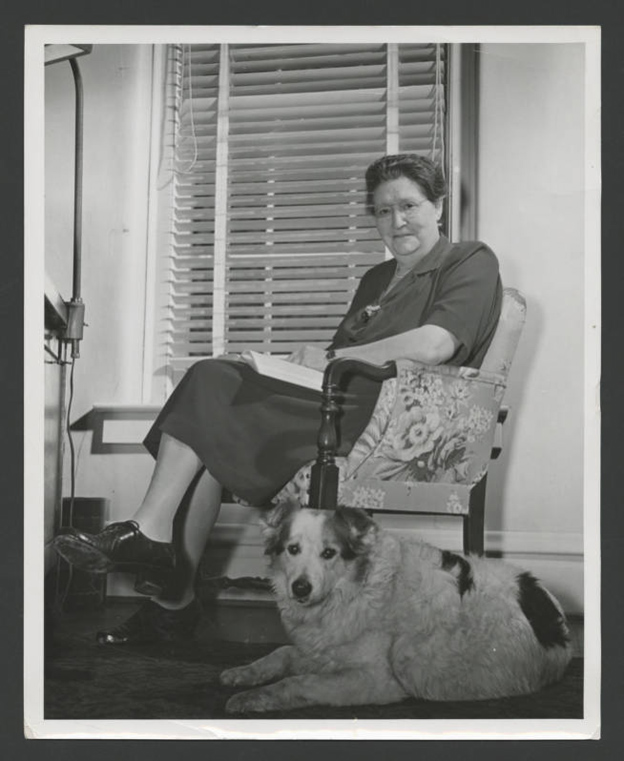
(253, 433)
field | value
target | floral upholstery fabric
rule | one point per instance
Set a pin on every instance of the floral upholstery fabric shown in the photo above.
(430, 437)
(430, 425)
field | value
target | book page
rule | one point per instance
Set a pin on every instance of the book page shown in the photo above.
(275, 367)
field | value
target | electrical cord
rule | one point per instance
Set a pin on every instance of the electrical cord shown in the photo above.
(440, 106)
(62, 591)
(437, 111)
(61, 594)
(72, 449)
(186, 55)
(171, 80)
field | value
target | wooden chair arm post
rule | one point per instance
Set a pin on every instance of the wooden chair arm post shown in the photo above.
(324, 474)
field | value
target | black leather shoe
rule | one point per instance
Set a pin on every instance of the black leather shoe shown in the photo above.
(152, 623)
(119, 547)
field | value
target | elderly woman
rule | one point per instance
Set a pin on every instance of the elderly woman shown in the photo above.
(226, 426)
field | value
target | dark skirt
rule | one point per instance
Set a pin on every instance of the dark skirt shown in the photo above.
(253, 433)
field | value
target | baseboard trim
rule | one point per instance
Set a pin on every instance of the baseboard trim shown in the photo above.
(236, 549)
(498, 542)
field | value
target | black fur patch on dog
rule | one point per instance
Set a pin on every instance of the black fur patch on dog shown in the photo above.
(276, 542)
(464, 579)
(350, 525)
(540, 611)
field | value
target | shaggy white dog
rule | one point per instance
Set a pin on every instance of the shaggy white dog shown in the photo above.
(376, 618)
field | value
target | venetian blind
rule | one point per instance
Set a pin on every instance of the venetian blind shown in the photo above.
(195, 81)
(302, 124)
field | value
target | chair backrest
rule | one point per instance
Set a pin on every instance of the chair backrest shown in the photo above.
(502, 349)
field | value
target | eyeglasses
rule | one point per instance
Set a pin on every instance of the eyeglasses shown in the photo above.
(407, 209)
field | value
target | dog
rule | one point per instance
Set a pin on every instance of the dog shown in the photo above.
(376, 618)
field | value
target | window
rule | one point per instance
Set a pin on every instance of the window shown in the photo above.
(262, 173)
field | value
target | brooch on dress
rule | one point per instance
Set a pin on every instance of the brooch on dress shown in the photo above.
(370, 311)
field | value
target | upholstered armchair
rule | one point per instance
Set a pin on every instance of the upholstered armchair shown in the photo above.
(430, 439)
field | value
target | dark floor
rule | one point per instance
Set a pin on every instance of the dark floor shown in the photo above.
(87, 681)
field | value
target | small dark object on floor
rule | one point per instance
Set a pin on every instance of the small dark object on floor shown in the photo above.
(243, 582)
(152, 623)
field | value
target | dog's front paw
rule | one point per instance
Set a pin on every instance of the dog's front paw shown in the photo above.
(234, 677)
(253, 701)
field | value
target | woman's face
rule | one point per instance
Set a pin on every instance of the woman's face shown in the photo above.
(407, 221)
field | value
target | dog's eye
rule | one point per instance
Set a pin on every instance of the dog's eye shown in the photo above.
(328, 553)
(293, 549)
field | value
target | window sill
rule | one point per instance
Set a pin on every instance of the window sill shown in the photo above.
(118, 428)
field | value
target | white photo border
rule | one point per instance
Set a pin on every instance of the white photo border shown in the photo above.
(35, 724)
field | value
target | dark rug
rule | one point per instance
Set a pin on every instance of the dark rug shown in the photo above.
(87, 681)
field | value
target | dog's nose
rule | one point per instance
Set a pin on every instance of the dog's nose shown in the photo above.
(301, 588)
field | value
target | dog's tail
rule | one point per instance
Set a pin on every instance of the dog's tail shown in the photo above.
(543, 612)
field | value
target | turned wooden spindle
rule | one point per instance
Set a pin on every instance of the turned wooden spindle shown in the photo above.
(324, 476)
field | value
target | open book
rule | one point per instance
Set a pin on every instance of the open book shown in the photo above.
(275, 367)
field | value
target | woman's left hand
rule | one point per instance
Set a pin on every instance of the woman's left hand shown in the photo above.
(309, 356)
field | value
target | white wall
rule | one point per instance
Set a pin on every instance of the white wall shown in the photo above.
(530, 212)
(531, 208)
(116, 81)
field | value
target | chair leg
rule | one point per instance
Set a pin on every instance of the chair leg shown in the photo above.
(474, 522)
(323, 493)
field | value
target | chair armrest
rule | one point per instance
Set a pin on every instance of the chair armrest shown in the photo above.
(324, 475)
(338, 368)
(440, 426)
(453, 371)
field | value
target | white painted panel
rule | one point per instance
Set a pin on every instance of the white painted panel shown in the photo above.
(124, 431)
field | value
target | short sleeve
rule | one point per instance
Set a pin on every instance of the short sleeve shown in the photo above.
(467, 301)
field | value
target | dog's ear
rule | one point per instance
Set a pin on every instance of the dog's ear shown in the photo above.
(274, 525)
(275, 516)
(356, 529)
